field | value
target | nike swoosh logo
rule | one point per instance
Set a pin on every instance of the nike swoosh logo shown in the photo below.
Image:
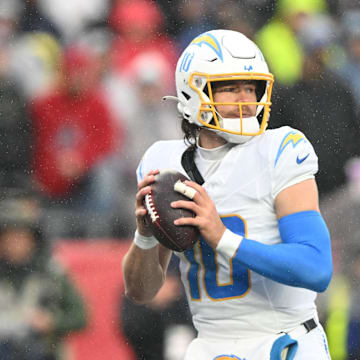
(301, 160)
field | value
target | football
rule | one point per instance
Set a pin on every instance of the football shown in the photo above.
(160, 215)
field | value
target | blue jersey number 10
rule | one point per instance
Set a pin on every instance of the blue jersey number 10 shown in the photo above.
(239, 276)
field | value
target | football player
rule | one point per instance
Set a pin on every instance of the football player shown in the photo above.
(264, 250)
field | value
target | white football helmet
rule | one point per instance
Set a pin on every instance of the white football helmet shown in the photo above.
(222, 55)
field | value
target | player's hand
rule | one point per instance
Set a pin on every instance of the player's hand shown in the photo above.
(207, 219)
(140, 210)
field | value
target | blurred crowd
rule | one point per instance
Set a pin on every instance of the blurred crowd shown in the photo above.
(81, 87)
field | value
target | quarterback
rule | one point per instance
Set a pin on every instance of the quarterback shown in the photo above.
(264, 250)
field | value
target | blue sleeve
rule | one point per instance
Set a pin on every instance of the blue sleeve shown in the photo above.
(303, 259)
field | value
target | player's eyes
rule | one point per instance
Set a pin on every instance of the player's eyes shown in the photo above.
(229, 89)
(250, 89)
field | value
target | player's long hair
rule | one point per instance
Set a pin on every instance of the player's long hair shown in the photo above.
(190, 131)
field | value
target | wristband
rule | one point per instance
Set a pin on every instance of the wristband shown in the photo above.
(229, 243)
(144, 242)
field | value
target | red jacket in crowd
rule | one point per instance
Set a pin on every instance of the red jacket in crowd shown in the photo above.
(72, 134)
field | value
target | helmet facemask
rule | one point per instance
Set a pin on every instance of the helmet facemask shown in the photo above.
(237, 129)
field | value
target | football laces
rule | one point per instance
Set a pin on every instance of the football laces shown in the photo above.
(150, 207)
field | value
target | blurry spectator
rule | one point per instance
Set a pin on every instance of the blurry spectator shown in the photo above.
(185, 17)
(28, 58)
(173, 16)
(33, 19)
(341, 303)
(351, 68)
(138, 35)
(348, 5)
(39, 305)
(34, 62)
(353, 330)
(9, 13)
(72, 17)
(161, 330)
(146, 117)
(195, 18)
(75, 134)
(236, 16)
(322, 31)
(278, 38)
(245, 16)
(15, 128)
(341, 208)
(97, 38)
(335, 304)
(138, 25)
(15, 134)
(151, 117)
(322, 107)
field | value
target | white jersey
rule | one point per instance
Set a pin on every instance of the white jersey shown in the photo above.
(226, 299)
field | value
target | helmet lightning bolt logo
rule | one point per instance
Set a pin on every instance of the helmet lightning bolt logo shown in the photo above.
(210, 41)
(292, 138)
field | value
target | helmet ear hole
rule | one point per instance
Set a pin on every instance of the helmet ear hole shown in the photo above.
(186, 96)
